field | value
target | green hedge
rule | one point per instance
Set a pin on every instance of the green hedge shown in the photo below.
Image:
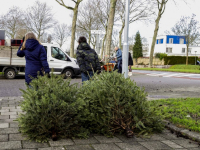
(174, 60)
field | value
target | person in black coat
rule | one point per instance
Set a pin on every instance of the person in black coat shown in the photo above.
(130, 62)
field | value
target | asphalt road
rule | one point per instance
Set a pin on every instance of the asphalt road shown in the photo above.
(157, 84)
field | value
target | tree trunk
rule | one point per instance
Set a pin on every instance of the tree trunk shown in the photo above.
(110, 28)
(89, 41)
(187, 54)
(73, 29)
(102, 47)
(155, 35)
(120, 35)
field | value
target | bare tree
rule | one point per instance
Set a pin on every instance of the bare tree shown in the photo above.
(21, 33)
(49, 38)
(188, 27)
(61, 33)
(103, 13)
(75, 11)
(161, 9)
(12, 21)
(39, 18)
(110, 28)
(88, 20)
(140, 10)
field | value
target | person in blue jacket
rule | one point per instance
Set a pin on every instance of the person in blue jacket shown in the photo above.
(119, 59)
(35, 55)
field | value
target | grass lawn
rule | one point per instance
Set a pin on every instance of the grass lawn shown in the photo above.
(183, 112)
(175, 68)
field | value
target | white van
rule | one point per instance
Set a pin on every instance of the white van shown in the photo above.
(59, 61)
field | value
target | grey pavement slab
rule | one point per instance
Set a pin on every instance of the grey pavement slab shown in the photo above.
(16, 137)
(4, 110)
(155, 145)
(8, 113)
(103, 139)
(52, 148)
(154, 137)
(4, 138)
(10, 145)
(7, 120)
(79, 147)
(171, 136)
(125, 139)
(61, 142)
(14, 125)
(9, 130)
(90, 140)
(108, 146)
(4, 116)
(131, 146)
(186, 143)
(172, 144)
(4, 125)
(13, 116)
(31, 144)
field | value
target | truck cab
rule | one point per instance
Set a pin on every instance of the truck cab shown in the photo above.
(60, 62)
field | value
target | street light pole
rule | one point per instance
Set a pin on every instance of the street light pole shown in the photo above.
(126, 44)
(195, 58)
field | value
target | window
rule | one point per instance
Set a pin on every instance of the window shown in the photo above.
(168, 50)
(181, 41)
(170, 40)
(160, 41)
(183, 50)
(58, 53)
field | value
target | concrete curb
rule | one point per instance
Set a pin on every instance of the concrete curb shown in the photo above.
(183, 132)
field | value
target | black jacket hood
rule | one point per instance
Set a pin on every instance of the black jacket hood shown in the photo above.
(83, 46)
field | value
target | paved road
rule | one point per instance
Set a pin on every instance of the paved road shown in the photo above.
(157, 84)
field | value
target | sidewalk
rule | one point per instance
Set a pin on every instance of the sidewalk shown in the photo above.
(10, 138)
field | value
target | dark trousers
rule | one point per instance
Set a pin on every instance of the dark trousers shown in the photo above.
(86, 76)
(119, 65)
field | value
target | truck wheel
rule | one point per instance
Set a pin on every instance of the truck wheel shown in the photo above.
(68, 73)
(10, 74)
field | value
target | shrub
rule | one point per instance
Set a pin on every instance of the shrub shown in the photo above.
(115, 104)
(174, 60)
(160, 55)
(51, 110)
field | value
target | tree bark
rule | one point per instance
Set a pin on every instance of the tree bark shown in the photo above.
(102, 47)
(73, 29)
(120, 35)
(110, 28)
(156, 32)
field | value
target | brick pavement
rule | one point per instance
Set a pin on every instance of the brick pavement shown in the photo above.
(10, 138)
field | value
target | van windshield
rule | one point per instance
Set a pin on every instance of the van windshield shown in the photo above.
(57, 53)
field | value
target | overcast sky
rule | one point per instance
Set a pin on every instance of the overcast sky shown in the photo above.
(172, 14)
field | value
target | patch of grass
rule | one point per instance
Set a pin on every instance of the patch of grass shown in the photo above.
(186, 67)
(1, 73)
(183, 112)
(169, 70)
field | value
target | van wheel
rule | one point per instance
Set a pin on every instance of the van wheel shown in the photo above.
(68, 73)
(10, 74)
